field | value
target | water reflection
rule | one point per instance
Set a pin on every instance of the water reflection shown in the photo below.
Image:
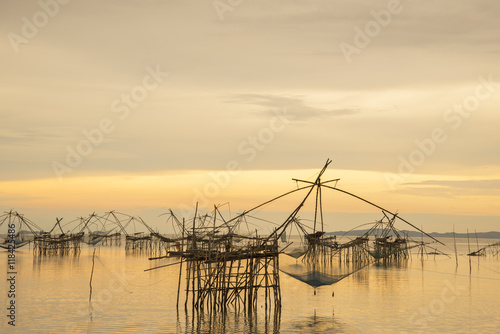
(394, 264)
(318, 324)
(56, 260)
(229, 321)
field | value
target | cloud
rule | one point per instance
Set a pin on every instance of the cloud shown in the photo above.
(461, 184)
(453, 188)
(281, 54)
(22, 136)
(295, 106)
(6, 199)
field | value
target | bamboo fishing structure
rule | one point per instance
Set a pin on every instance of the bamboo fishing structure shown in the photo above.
(219, 268)
(49, 243)
(20, 231)
(223, 270)
(494, 249)
(387, 243)
(109, 240)
(105, 230)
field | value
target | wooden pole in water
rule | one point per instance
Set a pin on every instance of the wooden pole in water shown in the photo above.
(477, 241)
(423, 245)
(468, 244)
(455, 245)
(180, 269)
(195, 262)
(316, 207)
(90, 283)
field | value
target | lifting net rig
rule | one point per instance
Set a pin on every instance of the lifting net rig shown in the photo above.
(222, 269)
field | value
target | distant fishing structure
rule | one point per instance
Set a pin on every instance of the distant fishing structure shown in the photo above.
(494, 249)
(18, 230)
(387, 243)
(102, 230)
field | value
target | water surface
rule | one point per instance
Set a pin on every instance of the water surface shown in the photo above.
(433, 295)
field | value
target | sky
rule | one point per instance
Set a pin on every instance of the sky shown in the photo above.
(141, 106)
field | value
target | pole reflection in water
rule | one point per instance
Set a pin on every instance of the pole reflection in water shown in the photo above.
(229, 321)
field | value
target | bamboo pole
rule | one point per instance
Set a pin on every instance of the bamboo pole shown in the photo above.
(180, 268)
(90, 284)
(455, 246)
(468, 245)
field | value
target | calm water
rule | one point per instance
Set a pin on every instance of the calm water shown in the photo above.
(434, 295)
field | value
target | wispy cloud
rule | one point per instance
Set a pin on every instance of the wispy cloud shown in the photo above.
(295, 105)
(453, 188)
(20, 136)
(461, 184)
(6, 199)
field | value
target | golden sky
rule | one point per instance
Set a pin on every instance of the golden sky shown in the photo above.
(148, 105)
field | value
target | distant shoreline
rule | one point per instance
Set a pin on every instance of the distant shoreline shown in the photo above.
(413, 234)
(485, 235)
